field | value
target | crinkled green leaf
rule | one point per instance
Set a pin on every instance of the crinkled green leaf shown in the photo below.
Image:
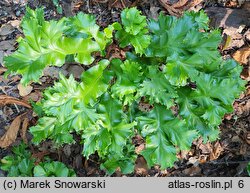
(191, 111)
(39, 171)
(129, 75)
(133, 21)
(163, 132)
(176, 68)
(53, 169)
(94, 83)
(20, 163)
(157, 88)
(68, 106)
(134, 31)
(201, 19)
(26, 167)
(111, 134)
(48, 43)
(125, 162)
(43, 129)
(84, 25)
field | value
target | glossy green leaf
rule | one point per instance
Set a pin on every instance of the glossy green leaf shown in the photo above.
(157, 88)
(113, 131)
(48, 43)
(163, 132)
(129, 76)
(134, 31)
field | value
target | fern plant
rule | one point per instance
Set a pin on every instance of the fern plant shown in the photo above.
(174, 65)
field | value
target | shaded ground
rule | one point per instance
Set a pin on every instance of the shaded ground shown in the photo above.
(226, 157)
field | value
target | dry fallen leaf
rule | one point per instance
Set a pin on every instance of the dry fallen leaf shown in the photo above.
(180, 4)
(119, 4)
(141, 167)
(15, 23)
(205, 148)
(169, 8)
(24, 129)
(24, 90)
(2, 70)
(4, 100)
(179, 7)
(140, 148)
(75, 70)
(10, 136)
(247, 137)
(192, 171)
(217, 150)
(242, 55)
(243, 110)
(39, 156)
(34, 96)
(195, 3)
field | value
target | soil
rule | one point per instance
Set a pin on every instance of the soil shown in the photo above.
(227, 156)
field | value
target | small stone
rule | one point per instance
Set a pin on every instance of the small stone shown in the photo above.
(6, 29)
(67, 150)
(18, 13)
(241, 29)
(194, 161)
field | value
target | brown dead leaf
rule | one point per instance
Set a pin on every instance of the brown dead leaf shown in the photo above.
(77, 5)
(247, 137)
(243, 149)
(34, 96)
(171, 10)
(113, 51)
(205, 148)
(141, 167)
(2, 70)
(39, 156)
(139, 148)
(75, 70)
(192, 171)
(4, 100)
(180, 4)
(203, 158)
(15, 23)
(24, 90)
(245, 74)
(228, 116)
(243, 109)
(232, 4)
(217, 149)
(242, 55)
(195, 3)
(24, 129)
(10, 136)
(119, 4)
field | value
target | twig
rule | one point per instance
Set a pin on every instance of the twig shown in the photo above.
(227, 162)
(17, 108)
